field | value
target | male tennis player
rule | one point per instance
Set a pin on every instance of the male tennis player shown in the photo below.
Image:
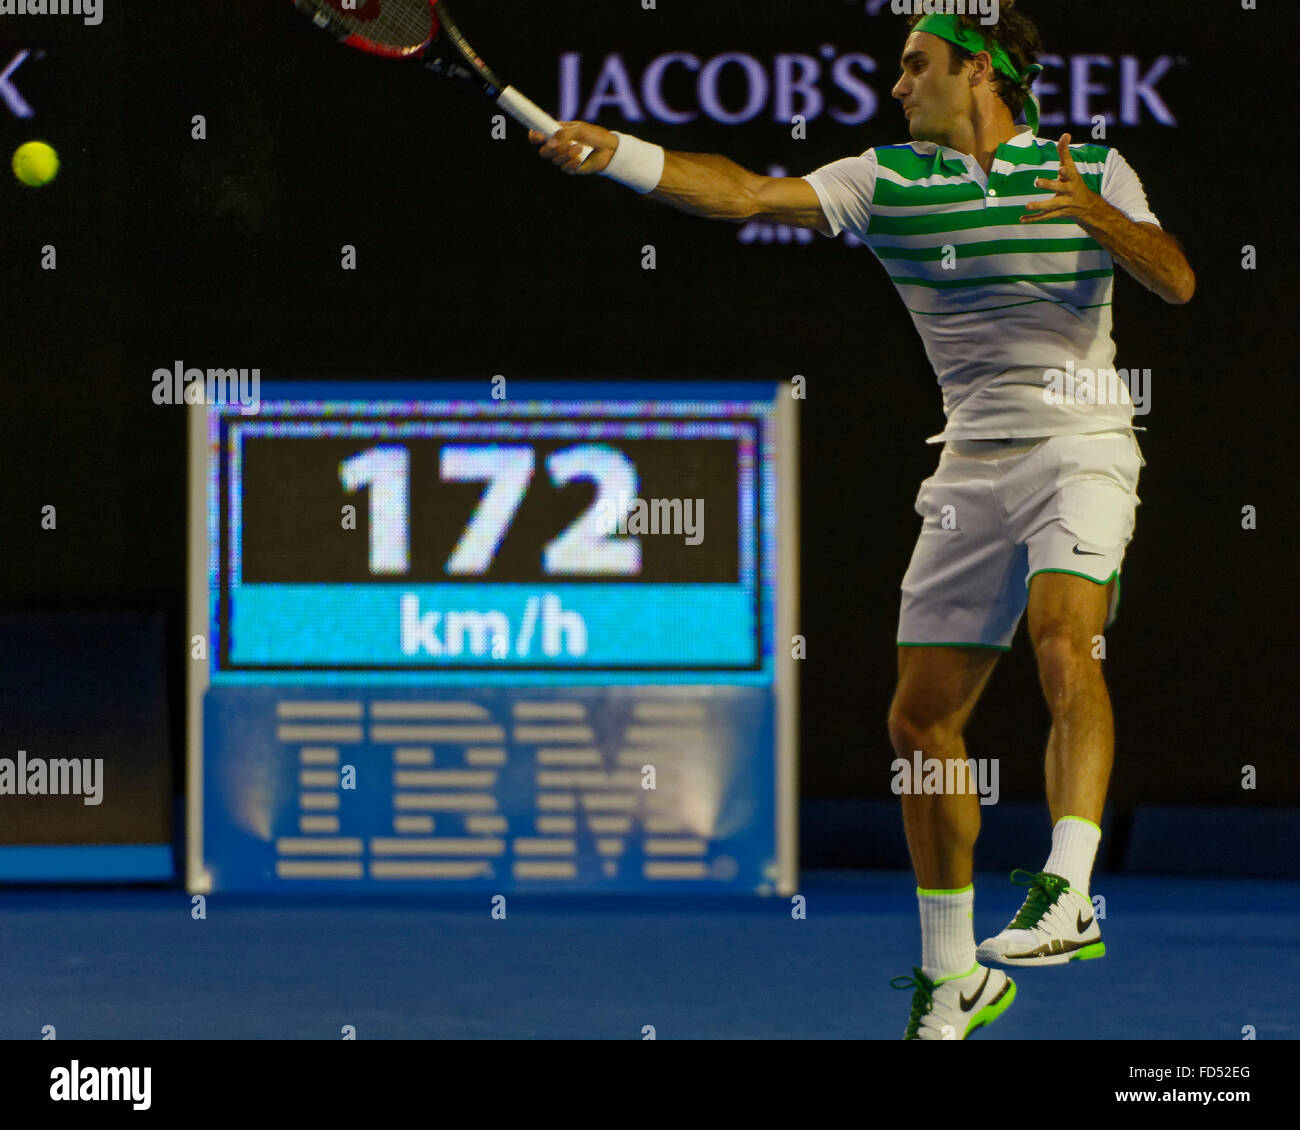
(1002, 247)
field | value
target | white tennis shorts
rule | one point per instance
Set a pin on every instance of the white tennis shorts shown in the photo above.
(997, 512)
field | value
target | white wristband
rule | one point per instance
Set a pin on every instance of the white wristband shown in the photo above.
(636, 163)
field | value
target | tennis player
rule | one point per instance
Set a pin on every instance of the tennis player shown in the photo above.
(1002, 247)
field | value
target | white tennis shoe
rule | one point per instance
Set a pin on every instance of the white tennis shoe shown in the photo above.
(1055, 925)
(951, 1008)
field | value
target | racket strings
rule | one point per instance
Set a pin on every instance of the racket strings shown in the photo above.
(403, 24)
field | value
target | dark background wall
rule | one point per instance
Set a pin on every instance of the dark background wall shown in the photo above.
(477, 259)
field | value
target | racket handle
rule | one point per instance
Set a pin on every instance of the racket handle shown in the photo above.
(526, 112)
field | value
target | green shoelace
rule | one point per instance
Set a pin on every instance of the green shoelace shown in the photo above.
(1044, 889)
(922, 999)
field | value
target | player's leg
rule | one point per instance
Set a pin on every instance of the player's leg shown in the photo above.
(1067, 615)
(1081, 532)
(938, 688)
(962, 597)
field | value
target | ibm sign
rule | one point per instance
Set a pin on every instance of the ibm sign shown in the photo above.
(737, 87)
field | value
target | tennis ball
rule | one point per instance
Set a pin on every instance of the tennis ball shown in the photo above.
(35, 164)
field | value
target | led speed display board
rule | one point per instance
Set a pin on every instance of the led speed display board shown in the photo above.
(452, 642)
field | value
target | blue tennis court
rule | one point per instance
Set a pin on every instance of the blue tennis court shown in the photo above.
(1186, 959)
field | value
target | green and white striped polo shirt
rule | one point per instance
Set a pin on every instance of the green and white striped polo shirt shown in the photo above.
(997, 303)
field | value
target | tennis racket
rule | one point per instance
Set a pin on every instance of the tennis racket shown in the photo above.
(424, 30)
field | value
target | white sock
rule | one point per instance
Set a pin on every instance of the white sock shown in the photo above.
(947, 932)
(1074, 848)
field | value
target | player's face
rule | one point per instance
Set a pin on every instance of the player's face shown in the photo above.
(934, 101)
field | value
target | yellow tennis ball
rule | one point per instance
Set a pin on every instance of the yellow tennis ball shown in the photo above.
(35, 164)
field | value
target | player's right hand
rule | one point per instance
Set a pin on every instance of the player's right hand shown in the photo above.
(562, 150)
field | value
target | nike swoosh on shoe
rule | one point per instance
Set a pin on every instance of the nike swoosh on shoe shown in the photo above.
(967, 1005)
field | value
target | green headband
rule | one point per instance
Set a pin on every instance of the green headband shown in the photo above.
(947, 27)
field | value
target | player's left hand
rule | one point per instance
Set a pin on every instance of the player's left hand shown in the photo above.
(1073, 200)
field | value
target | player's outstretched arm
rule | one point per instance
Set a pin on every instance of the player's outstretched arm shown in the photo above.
(699, 183)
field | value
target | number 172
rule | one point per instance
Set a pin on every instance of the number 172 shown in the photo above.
(588, 547)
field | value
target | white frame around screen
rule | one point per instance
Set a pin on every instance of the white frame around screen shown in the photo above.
(197, 879)
(787, 621)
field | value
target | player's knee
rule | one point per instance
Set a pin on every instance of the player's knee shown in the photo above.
(911, 729)
(1065, 665)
